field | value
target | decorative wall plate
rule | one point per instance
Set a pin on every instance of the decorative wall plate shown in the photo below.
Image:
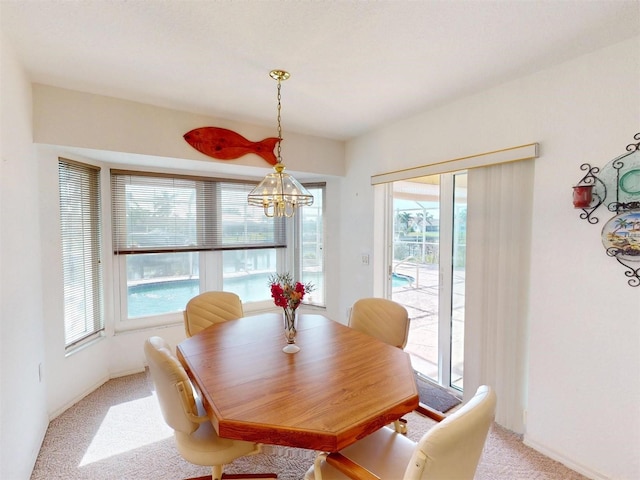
(621, 236)
(622, 179)
(630, 182)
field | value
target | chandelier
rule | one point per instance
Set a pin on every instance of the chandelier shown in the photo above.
(279, 193)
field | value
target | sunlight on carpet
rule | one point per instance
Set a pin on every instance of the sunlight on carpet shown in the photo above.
(150, 427)
(117, 433)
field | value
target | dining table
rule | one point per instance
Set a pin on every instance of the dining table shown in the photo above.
(341, 386)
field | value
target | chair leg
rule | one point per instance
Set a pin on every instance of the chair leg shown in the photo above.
(400, 426)
(317, 470)
(216, 472)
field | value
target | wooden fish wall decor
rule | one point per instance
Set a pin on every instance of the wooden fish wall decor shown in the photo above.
(225, 144)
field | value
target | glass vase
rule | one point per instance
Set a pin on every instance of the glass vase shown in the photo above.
(290, 317)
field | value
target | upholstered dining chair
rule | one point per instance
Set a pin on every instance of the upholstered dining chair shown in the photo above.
(208, 308)
(195, 437)
(384, 319)
(450, 450)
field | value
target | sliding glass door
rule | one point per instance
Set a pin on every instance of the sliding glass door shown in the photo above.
(427, 271)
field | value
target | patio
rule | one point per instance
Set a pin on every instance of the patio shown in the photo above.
(420, 298)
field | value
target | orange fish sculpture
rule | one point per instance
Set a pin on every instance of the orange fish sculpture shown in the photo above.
(225, 144)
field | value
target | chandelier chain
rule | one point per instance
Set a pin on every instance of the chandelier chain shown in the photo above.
(279, 121)
(279, 194)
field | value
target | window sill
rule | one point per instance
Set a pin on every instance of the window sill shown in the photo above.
(88, 342)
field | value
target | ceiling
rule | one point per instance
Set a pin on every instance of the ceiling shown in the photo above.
(355, 65)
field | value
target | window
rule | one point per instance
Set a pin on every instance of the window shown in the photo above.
(310, 254)
(246, 270)
(79, 186)
(179, 235)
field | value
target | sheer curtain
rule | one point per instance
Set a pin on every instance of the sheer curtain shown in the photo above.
(497, 285)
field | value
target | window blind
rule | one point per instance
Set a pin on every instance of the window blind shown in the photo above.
(156, 213)
(79, 186)
(499, 216)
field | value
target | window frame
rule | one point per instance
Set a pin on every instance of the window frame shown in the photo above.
(298, 250)
(211, 266)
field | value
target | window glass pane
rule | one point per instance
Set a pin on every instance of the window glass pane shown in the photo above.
(161, 215)
(244, 225)
(246, 273)
(415, 278)
(458, 279)
(79, 189)
(166, 213)
(312, 246)
(159, 283)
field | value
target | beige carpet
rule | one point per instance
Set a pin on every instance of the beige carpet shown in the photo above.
(117, 432)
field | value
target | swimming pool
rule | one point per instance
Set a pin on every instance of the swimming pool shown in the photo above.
(171, 296)
(400, 280)
(160, 297)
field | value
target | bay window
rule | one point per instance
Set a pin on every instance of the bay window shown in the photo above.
(175, 236)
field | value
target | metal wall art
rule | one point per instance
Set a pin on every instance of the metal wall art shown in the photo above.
(617, 186)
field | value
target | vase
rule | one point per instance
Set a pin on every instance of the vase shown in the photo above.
(290, 317)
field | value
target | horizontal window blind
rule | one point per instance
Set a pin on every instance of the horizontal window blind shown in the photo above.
(155, 213)
(79, 186)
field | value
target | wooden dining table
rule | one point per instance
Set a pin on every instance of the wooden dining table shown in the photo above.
(341, 386)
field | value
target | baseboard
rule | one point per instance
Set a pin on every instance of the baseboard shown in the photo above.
(35, 451)
(124, 373)
(552, 454)
(91, 389)
(79, 397)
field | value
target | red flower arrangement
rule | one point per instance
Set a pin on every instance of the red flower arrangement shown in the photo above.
(286, 293)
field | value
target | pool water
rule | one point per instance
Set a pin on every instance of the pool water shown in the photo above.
(399, 280)
(161, 297)
(171, 296)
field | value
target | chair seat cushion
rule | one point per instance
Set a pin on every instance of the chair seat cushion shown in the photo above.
(205, 447)
(384, 452)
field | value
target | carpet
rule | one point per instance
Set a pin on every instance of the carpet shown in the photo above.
(435, 396)
(117, 433)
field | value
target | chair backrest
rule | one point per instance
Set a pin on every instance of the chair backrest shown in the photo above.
(381, 318)
(452, 448)
(208, 308)
(173, 387)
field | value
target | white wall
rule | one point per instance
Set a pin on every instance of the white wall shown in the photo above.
(23, 408)
(134, 130)
(584, 329)
(74, 119)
